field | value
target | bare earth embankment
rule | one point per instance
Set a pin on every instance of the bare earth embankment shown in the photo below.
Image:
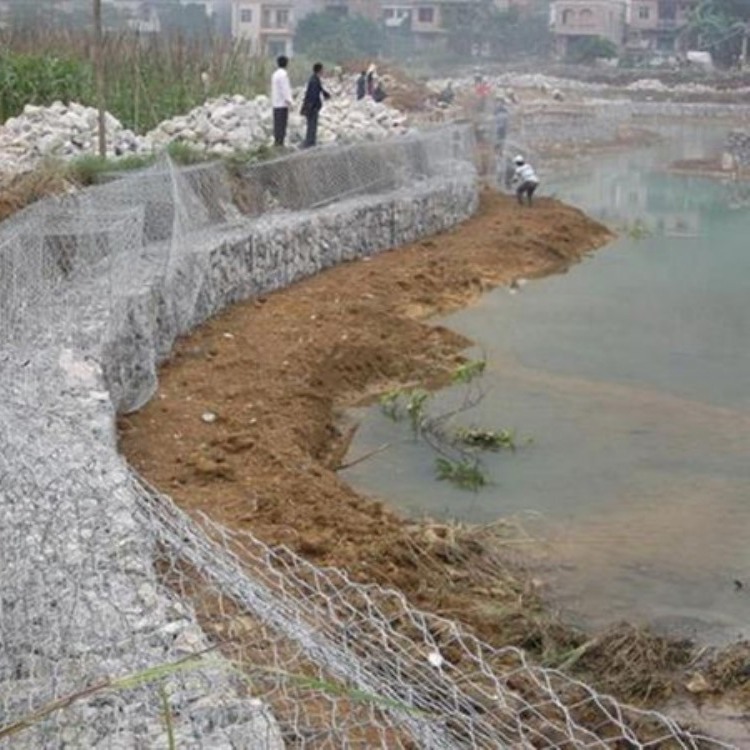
(277, 372)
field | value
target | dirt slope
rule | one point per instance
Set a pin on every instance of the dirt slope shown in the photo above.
(276, 372)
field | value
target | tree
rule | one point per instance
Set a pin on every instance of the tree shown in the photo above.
(718, 26)
(481, 30)
(468, 26)
(590, 48)
(335, 38)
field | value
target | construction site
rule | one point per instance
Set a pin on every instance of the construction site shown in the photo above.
(204, 541)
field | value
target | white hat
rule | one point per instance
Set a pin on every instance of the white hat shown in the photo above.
(519, 160)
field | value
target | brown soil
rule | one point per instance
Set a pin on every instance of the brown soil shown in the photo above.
(18, 191)
(404, 92)
(277, 373)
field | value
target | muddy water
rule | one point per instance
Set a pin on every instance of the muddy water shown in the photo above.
(631, 374)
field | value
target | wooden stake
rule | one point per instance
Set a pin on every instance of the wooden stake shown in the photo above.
(99, 77)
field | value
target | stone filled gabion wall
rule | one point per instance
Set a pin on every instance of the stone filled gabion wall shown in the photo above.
(738, 147)
(597, 121)
(80, 599)
(279, 250)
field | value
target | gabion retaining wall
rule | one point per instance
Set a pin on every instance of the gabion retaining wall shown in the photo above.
(738, 147)
(81, 603)
(600, 121)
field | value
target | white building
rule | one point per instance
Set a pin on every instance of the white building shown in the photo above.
(268, 25)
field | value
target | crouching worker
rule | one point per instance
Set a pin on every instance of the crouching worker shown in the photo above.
(524, 179)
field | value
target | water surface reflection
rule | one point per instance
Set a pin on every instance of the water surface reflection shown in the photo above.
(631, 373)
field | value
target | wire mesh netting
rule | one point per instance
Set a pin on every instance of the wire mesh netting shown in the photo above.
(61, 260)
(170, 626)
(126, 623)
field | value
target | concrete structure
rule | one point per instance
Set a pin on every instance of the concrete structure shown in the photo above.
(268, 25)
(427, 19)
(647, 26)
(424, 20)
(656, 25)
(366, 8)
(572, 20)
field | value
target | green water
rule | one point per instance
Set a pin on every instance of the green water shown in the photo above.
(631, 373)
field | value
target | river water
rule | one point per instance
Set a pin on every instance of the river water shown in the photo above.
(631, 376)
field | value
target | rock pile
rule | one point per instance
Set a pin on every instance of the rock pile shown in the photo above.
(220, 126)
(64, 131)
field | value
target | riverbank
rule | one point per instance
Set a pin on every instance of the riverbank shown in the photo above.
(246, 427)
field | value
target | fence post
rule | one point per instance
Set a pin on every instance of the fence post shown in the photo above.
(99, 77)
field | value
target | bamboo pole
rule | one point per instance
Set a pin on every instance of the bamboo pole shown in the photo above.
(99, 77)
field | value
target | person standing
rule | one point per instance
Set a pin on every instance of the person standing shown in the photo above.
(379, 95)
(370, 79)
(281, 100)
(312, 104)
(524, 179)
(361, 85)
(501, 123)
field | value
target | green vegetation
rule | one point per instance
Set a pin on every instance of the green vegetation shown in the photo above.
(33, 79)
(147, 79)
(468, 371)
(487, 439)
(498, 35)
(406, 403)
(638, 230)
(458, 448)
(90, 169)
(719, 26)
(338, 38)
(464, 473)
(590, 48)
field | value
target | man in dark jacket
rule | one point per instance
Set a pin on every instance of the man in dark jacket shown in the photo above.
(312, 104)
(362, 85)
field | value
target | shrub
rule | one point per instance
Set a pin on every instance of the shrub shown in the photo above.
(590, 48)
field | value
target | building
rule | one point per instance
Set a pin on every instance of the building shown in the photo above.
(423, 20)
(657, 25)
(267, 25)
(645, 26)
(573, 20)
(367, 8)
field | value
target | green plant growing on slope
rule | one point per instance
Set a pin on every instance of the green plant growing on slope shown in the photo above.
(468, 371)
(91, 169)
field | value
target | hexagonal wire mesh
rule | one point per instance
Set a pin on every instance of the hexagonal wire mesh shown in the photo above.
(124, 622)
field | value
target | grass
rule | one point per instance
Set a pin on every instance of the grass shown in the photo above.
(147, 79)
(89, 170)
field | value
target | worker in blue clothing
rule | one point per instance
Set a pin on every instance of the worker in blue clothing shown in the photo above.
(312, 104)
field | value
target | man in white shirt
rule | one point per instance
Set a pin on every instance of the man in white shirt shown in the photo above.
(281, 100)
(524, 179)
